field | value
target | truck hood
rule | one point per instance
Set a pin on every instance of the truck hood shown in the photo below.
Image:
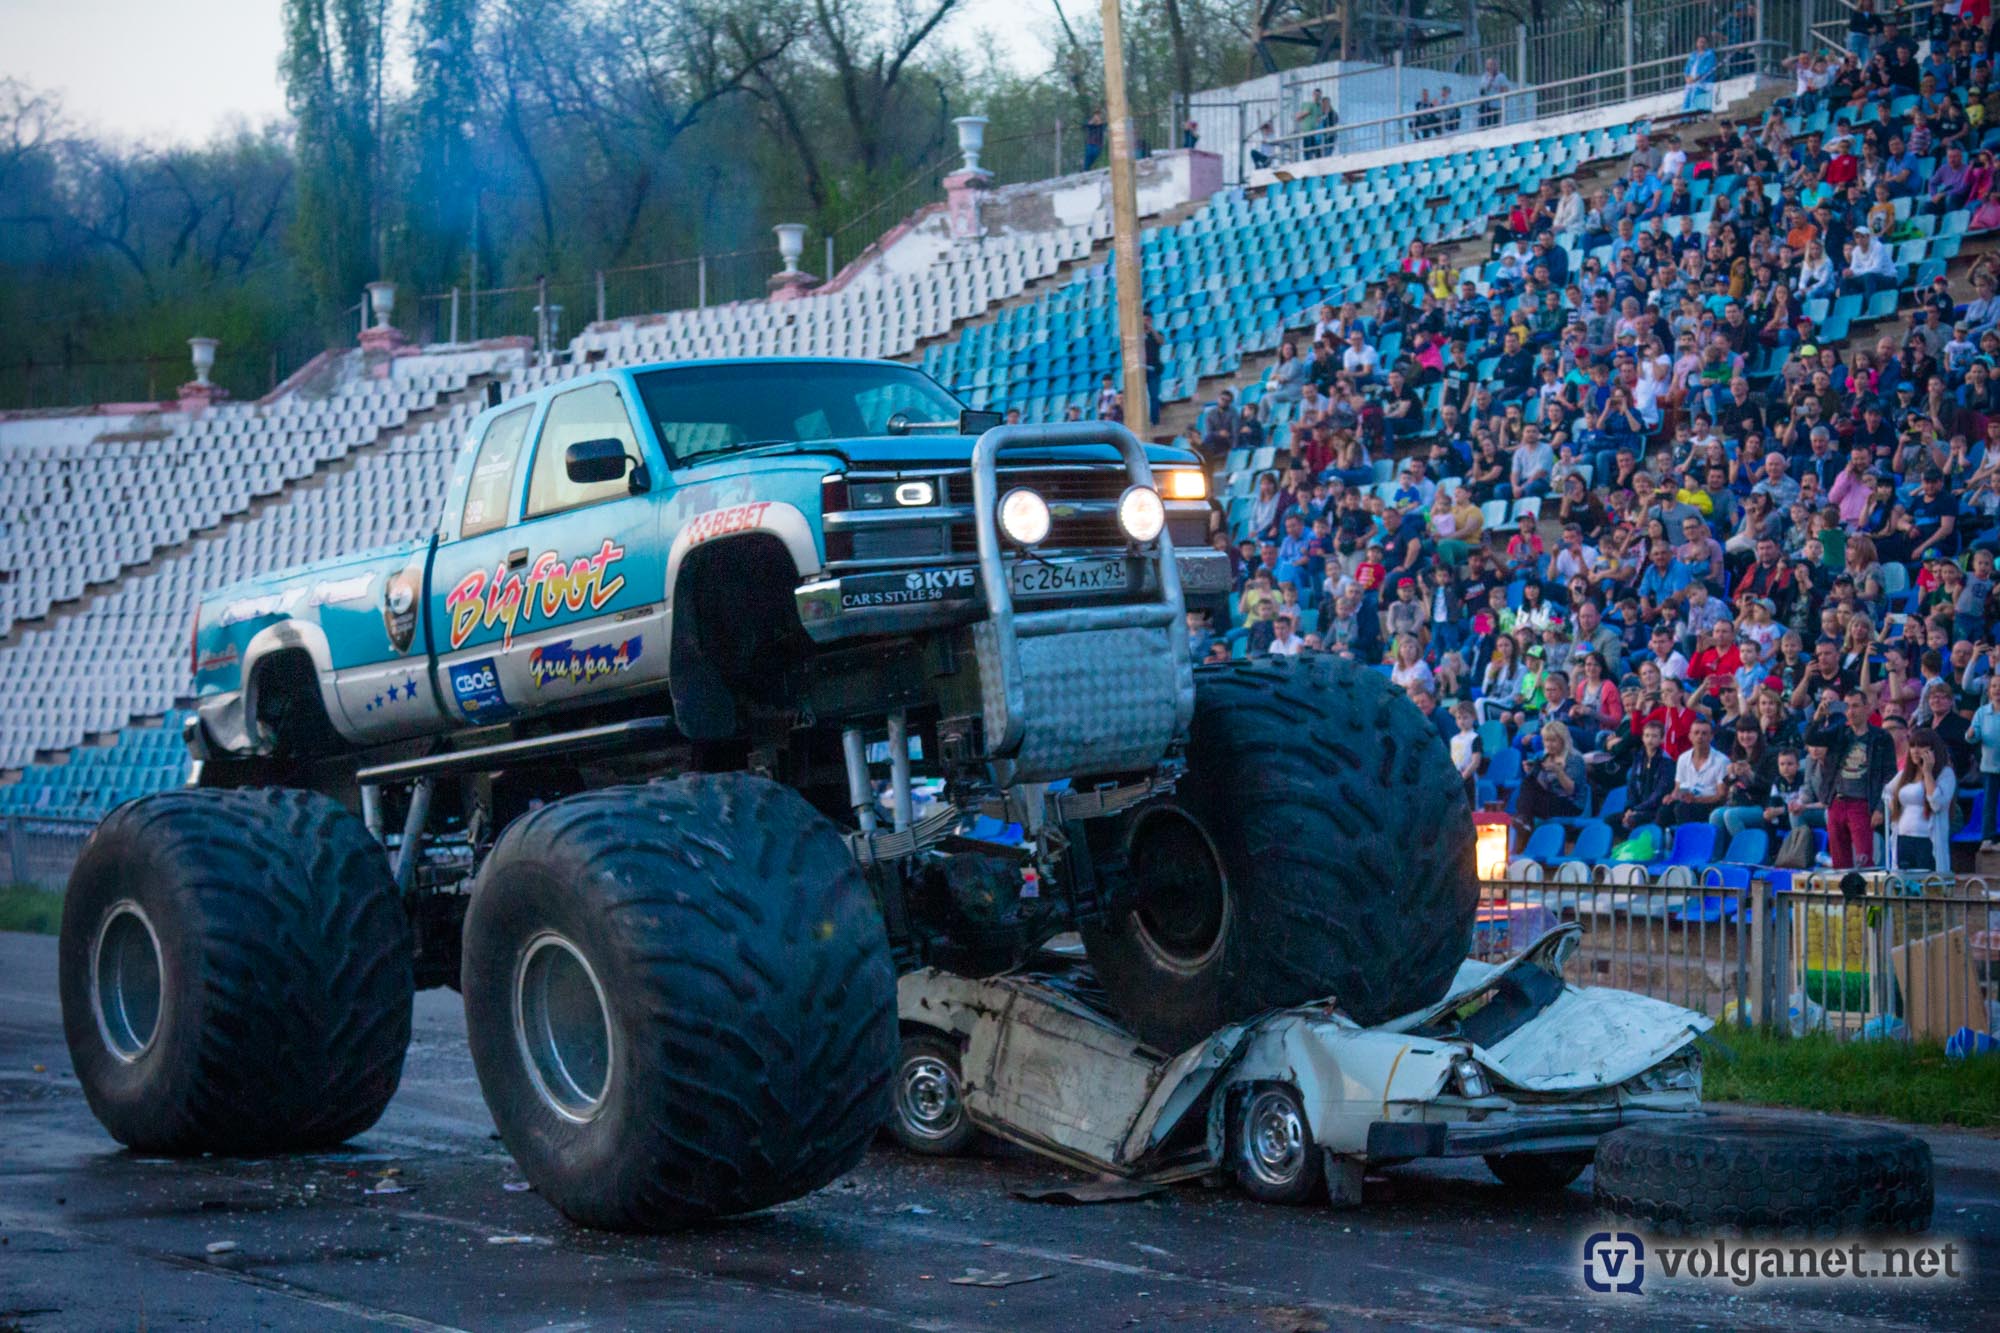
(912, 451)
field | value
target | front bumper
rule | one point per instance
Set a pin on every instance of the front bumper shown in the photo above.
(1516, 1129)
(928, 597)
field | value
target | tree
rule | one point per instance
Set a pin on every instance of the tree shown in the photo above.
(441, 197)
(332, 68)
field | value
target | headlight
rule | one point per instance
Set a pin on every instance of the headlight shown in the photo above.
(1024, 516)
(1184, 483)
(1471, 1078)
(1141, 514)
(879, 495)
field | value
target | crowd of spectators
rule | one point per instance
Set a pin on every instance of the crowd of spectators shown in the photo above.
(1648, 524)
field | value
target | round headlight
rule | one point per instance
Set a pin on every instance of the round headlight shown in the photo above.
(1141, 514)
(1024, 516)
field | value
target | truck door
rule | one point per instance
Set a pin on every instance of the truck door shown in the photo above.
(548, 595)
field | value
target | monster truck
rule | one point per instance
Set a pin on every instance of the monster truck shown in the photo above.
(719, 695)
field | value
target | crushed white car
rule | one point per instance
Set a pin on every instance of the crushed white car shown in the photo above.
(1514, 1065)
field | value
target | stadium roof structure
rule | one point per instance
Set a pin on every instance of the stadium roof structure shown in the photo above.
(1345, 30)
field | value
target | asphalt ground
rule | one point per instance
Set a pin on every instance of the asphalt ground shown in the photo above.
(414, 1227)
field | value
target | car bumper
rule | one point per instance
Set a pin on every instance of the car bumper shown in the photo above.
(1520, 1129)
(904, 601)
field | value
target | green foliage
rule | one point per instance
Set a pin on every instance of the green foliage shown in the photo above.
(26, 908)
(554, 137)
(1818, 1072)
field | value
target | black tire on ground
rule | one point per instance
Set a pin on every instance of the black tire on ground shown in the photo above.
(1319, 845)
(929, 1111)
(1537, 1172)
(1272, 1152)
(235, 973)
(679, 999)
(1765, 1177)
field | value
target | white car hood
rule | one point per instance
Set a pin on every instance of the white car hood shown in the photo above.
(1587, 1037)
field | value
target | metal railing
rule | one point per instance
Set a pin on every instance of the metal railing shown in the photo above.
(1476, 114)
(38, 851)
(1873, 956)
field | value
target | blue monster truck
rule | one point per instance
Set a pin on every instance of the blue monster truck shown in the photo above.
(719, 694)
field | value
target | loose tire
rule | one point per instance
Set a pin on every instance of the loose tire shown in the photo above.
(1757, 1178)
(1319, 845)
(1537, 1172)
(1272, 1152)
(929, 1115)
(235, 969)
(679, 999)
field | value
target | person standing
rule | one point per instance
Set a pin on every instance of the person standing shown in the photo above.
(1861, 759)
(1700, 77)
(1916, 806)
(1985, 733)
(1093, 139)
(1492, 87)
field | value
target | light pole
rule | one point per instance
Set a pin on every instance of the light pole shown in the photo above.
(1125, 227)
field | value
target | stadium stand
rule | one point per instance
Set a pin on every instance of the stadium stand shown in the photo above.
(1499, 492)
(77, 515)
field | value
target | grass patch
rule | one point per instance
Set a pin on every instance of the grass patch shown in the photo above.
(24, 907)
(1817, 1072)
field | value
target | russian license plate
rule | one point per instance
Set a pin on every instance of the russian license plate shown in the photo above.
(1037, 579)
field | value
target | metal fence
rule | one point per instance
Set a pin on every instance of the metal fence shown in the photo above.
(40, 852)
(1868, 955)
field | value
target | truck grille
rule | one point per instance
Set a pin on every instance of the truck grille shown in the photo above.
(1057, 485)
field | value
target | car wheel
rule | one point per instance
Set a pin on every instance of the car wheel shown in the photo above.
(929, 1115)
(1274, 1156)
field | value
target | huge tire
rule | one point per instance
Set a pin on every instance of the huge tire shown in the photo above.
(1319, 845)
(235, 973)
(680, 1000)
(1765, 1178)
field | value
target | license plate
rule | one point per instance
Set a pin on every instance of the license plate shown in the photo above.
(1036, 579)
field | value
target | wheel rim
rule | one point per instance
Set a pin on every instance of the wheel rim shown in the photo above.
(927, 1098)
(1274, 1139)
(1183, 911)
(125, 987)
(563, 1026)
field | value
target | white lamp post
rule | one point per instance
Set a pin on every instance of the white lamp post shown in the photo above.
(971, 139)
(202, 351)
(791, 243)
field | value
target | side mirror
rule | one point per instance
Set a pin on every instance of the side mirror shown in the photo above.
(592, 461)
(972, 421)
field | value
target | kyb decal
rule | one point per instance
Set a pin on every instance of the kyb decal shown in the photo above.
(564, 661)
(919, 585)
(545, 589)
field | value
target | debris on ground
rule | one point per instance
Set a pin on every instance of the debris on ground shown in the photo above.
(516, 1240)
(221, 1247)
(1095, 1191)
(517, 1187)
(387, 1187)
(917, 1210)
(980, 1277)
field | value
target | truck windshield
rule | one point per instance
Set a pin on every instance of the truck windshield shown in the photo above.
(700, 410)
